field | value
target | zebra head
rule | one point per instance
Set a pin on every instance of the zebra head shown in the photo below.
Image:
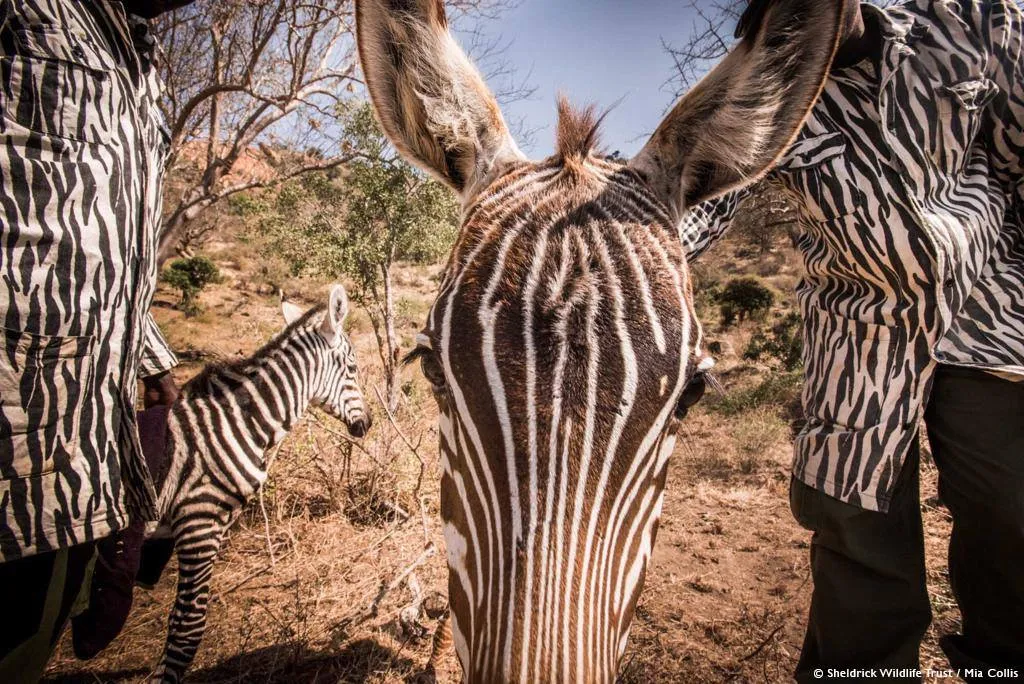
(335, 386)
(564, 335)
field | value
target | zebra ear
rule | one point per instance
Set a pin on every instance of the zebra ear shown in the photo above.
(337, 312)
(732, 127)
(429, 98)
(290, 312)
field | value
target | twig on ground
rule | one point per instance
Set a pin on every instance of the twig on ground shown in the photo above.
(248, 578)
(352, 561)
(263, 508)
(427, 552)
(374, 608)
(760, 647)
(409, 617)
(396, 509)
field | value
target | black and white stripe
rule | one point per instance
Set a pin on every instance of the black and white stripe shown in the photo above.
(82, 150)
(908, 179)
(219, 432)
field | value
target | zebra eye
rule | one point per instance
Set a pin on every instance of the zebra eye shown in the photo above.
(429, 364)
(693, 393)
(432, 370)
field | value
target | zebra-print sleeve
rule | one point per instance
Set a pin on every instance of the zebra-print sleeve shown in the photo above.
(1006, 116)
(706, 223)
(157, 355)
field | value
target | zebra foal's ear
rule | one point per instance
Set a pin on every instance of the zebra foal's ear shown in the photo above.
(290, 312)
(733, 126)
(337, 311)
(429, 98)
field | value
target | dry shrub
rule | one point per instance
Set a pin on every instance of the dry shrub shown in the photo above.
(375, 499)
(757, 433)
(778, 389)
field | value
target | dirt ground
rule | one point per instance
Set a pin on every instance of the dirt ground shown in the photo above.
(315, 576)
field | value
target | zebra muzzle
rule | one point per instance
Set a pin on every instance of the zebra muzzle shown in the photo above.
(358, 427)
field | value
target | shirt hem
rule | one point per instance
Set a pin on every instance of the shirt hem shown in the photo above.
(101, 529)
(869, 502)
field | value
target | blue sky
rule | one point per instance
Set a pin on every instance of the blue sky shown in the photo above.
(599, 51)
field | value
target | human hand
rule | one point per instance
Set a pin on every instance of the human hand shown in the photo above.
(160, 390)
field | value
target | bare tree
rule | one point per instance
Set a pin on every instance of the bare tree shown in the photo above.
(710, 40)
(240, 72)
(252, 94)
(765, 213)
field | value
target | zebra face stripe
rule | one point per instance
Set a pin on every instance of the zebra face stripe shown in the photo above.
(558, 348)
(338, 391)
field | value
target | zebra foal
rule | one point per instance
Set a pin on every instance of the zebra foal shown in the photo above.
(218, 432)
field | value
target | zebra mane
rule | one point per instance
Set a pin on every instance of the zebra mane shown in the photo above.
(202, 383)
(579, 129)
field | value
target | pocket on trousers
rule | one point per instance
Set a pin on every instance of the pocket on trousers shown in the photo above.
(43, 383)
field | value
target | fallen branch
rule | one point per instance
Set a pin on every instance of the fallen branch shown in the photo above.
(409, 617)
(760, 647)
(396, 509)
(352, 561)
(374, 608)
(429, 551)
(248, 578)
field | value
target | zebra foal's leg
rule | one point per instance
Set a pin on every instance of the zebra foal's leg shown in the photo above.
(197, 543)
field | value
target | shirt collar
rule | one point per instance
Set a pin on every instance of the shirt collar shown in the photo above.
(897, 25)
(900, 31)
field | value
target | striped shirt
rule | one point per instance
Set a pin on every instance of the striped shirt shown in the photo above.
(907, 178)
(82, 150)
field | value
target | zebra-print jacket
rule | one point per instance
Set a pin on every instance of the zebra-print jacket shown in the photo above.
(908, 181)
(81, 168)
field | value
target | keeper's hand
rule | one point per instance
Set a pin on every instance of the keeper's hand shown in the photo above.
(160, 390)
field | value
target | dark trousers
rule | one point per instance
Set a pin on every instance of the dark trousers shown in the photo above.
(38, 594)
(870, 605)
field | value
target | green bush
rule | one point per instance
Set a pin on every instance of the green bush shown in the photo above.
(190, 276)
(743, 298)
(706, 293)
(777, 391)
(245, 204)
(781, 345)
